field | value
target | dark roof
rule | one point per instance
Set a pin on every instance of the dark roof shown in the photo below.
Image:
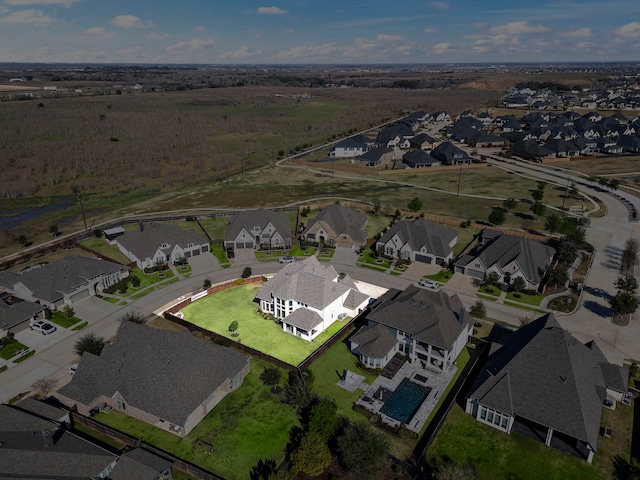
(422, 138)
(422, 233)
(429, 316)
(419, 158)
(51, 281)
(145, 241)
(303, 318)
(532, 257)
(375, 154)
(19, 311)
(156, 371)
(542, 373)
(342, 220)
(448, 153)
(374, 340)
(258, 218)
(32, 446)
(139, 464)
(357, 141)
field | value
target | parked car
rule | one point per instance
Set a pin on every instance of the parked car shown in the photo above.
(43, 327)
(428, 283)
(73, 368)
(285, 259)
(230, 252)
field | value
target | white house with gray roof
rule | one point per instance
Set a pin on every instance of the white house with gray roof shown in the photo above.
(510, 257)
(541, 382)
(308, 297)
(16, 314)
(258, 229)
(63, 281)
(171, 380)
(418, 241)
(154, 243)
(430, 328)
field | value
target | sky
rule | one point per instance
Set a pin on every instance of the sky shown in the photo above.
(319, 31)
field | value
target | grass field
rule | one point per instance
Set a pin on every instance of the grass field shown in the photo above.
(496, 455)
(216, 312)
(248, 424)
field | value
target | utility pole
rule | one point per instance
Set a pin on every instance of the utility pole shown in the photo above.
(566, 192)
(459, 178)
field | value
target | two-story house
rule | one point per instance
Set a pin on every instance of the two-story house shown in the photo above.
(258, 229)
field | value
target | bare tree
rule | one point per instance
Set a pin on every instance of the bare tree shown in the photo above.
(44, 387)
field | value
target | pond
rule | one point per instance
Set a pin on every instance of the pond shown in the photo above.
(13, 217)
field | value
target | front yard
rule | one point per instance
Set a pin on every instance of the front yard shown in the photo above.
(249, 424)
(216, 312)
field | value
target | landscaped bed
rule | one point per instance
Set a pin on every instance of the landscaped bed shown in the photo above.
(59, 318)
(249, 424)
(216, 312)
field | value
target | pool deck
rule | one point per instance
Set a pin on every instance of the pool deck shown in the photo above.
(438, 381)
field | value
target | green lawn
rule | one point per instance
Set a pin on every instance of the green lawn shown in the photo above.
(8, 351)
(443, 276)
(59, 318)
(80, 327)
(496, 455)
(490, 290)
(486, 297)
(249, 424)
(525, 298)
(103, 247)
(369, 259)
(218, 251)
(216, 312)
(524, 307)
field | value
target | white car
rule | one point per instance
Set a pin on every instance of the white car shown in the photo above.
(43, 327)
(73, 368)
(428, 283)
(285, 259)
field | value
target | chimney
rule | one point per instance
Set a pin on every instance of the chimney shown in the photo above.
(49, 437)
(461, 315)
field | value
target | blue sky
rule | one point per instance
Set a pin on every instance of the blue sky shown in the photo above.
(319, 31)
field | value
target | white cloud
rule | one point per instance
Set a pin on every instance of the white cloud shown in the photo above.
(200, 29)
(440, 5)
(131, 21)
(157, 36)
(271, 11)
(242, 52)
(518, 28)
(31, 16)
(322, 51)
(389, 38)
(430, 30)
(100, 31)
(630, 30)
(188, 46)
(443, 47)
(579, 33)
(21, 3)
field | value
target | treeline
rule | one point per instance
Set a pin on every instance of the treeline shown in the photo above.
(548, 85)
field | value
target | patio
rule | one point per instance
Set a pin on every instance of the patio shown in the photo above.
(374, 398)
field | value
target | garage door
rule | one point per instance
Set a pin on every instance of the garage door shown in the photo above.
(423, 258)
(79, 296)
(475, 274)
(344, 244)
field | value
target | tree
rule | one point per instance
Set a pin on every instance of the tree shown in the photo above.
(603, 182)
(233, 328)
(206, 284)
(44, 387)
(362, 450)
(270, 376)
(552, 223)
(54, 230)
(297, 393)
(577, 236)
(491, 280)
(68, 311)
(312, 456)
(573, 190)
(567, 252)
(246, 273)
(538, 209)
(518, 284)
(624, 303)
(626, 284)
(454, 471)
(510, 203)
(614, 183)
(478, 311)
(630, 254)
(135, 281)
(558, 275)
(537, 195)
(90, 342)
(415, 204)
(497, 216)
(323, 419)
(133, 317)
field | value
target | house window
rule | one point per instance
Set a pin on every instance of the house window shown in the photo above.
(494, 418)
(164, 245)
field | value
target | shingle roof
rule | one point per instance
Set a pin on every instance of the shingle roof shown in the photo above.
(26, 455)
(374, 340)
(422, 233)
(257, 218)
(543, 374)
(140, 465)
(416, 158)
(375, 154)
(431, 317)
(342, 220)
(155, 371)
(308, 282)
(145, 241)
(51, 281)
(18, 312)
(303, 318)
(532, 257)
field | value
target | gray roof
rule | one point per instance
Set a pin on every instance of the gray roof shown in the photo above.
(308, 282)
(156, 371)
(422, 233)
(355, 298)
(51, 281)
(431, 317)
(543, 374)
(145, 241)
(257, 218)
(374, 341)
(139, 464)
(342, 220)
(532, 257)
(417, 158)
(26, 455)
(303, 318)
(19, 311)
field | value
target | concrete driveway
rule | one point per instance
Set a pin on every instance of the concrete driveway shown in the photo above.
(344, 256)
(243, 256)
(203, 264)
(464, 284)
(417, 270)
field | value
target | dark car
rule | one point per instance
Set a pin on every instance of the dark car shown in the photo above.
(230, 252)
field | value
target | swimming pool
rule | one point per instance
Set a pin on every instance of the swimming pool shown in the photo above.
(405, 401)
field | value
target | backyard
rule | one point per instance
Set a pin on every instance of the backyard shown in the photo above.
(249, 424)
(216, 312)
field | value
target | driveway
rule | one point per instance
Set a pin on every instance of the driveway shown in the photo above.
(203, 264)
(463, 284)
(344, 256)
(417, 270)
(243, 256)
